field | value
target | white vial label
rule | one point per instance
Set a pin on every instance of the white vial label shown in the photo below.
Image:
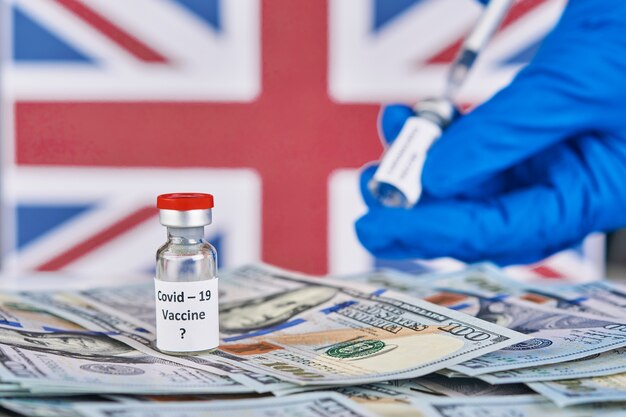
(187, 315)
(402, 163)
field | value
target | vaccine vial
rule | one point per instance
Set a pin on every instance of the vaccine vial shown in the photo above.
(186, 277)
(397, 180)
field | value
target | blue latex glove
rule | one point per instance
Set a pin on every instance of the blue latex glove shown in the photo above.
(533, 170)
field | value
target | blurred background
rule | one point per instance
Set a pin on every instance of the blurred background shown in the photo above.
(269, 105)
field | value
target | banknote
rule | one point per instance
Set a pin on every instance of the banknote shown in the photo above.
(102, 367)
(297, 389)
(398, 389)
(86, 314)
(386, 400)
(556, 335)
(478, 285)
(130, 331)
(317, 404)
(383, 400)
(381, 393)
(487, 280)
(135, 302)
(161, 398)
(508, 406)
(49, 406)
(568, 392)
(466, 387)
(39, 348)
(412, 386)
(17, 312)
(322, 332)
(414, 285)
(482, 279)
(451, 374)
(609, 294)
(601, 364)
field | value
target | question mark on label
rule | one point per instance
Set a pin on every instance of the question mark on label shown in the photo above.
(182, 333)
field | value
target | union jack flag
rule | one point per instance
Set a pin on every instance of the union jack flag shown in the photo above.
(112, 101)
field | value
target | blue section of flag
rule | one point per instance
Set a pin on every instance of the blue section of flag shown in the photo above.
(35, 220)
(34, 43)
(207, 10)
(387, 10)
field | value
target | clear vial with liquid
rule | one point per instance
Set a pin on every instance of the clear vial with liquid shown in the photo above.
(397, 180)
(186, 277)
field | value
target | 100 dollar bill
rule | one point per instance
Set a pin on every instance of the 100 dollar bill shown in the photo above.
(323, 332)
(488, 281)
(127, 330)
(601, 364)
(320, 332)
(318, 404)
(464, 387)
(557, 334)
(551, 315)
(508, 406)
(583, 391)
(43, 351)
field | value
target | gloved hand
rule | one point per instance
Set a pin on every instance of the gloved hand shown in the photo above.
(533, 170)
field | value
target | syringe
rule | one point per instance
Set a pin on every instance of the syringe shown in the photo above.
(474, 43)
(397, 181)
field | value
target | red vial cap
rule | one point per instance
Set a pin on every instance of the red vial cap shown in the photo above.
(185, 201)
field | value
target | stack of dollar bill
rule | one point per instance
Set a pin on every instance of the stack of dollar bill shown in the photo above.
(469, 343)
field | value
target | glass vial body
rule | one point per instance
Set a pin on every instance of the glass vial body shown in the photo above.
(186, 284)
(187, 258)
(397, 180)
